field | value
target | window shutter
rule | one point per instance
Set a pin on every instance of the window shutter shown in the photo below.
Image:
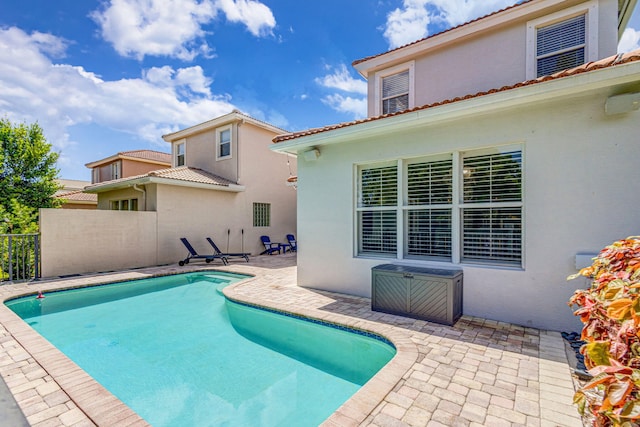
(378, 187)
(378, 232)
(430, 183)
(429, 233)
(561, 46)
(492, 234)
(493, 178)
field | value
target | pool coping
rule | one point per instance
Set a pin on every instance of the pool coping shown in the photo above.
(102, 408)
(477, 372)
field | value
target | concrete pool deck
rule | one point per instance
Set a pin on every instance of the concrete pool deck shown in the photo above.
(475, 373)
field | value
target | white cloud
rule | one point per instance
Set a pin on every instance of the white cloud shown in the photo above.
(342, 80)
(347, 104)
(137, 28)
(58, 96)
(256, 16)
(630, 40)
(411, 21)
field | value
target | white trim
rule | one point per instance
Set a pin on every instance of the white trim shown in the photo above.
(590, 9)
(407, 66)
(218, 133)
(512, 98)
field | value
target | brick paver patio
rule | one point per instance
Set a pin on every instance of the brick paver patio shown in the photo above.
(475, 373)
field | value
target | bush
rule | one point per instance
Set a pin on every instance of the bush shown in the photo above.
(610, 311)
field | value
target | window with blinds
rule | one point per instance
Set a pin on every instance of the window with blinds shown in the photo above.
(424, 206)
(429, 204)
(561, 46)
(395, 92)
(377, 215)
(180, 160)
(492, 208)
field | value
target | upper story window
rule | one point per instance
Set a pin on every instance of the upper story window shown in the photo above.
(560, 46)
(395, 92)
(180, 154)
(95, 175)
(115, 170)
(394, 89)
(563, 40)
(223, 137)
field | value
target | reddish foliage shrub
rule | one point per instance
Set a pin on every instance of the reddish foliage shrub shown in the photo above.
(610, 311)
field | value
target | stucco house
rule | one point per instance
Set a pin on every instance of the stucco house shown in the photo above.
(128, 163)
(506, 147)
(223, 182)
(72, 195)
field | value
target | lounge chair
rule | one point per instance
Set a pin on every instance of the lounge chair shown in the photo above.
(269, 246)
(292, 241)
(227, 255)
(194, 255)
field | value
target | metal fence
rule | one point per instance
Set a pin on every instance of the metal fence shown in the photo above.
(19, 257)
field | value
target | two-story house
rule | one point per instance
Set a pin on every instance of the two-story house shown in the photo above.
(506, 147)
(128, 163)
(223, 182)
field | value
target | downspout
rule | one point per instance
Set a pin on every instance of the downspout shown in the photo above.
(144, 195)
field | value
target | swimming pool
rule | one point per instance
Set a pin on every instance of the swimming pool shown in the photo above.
(178, 353)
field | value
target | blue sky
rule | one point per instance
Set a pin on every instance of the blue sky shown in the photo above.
(115, 75)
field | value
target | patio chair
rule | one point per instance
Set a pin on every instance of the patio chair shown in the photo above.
(227, 255)
(194, 255)
(292, 241)
(269, 246)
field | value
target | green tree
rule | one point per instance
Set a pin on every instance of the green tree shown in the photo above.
(27, 175)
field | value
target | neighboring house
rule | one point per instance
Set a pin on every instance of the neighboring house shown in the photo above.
(128, 163)
(506, 147)
(223, 182)
(72, 195)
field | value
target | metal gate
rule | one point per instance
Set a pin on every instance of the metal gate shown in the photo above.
(19, 257)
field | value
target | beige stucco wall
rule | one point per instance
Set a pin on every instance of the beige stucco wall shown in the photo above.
(134, 168)
(81, 241)
(489, 61)
(580, 177)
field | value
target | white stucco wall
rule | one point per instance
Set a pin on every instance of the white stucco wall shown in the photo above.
(580, 177)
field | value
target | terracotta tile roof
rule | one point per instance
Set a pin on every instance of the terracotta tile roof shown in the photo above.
(358, 61)
(185, 173)
(611, 61)
(78, 196)
(148, 155)
(182, 173)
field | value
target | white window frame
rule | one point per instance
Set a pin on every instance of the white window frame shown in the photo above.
(176, 155)
(380, 75)
(457, 208)
(219, 132)
(590, 9)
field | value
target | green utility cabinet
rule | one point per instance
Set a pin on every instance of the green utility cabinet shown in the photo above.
(422, 293)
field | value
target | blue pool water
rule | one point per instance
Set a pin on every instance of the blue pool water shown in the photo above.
(178, 353)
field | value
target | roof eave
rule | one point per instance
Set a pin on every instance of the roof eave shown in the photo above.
(624, 14)
(453, 35)
(233, 117)
(101, 188)
(544, 91)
